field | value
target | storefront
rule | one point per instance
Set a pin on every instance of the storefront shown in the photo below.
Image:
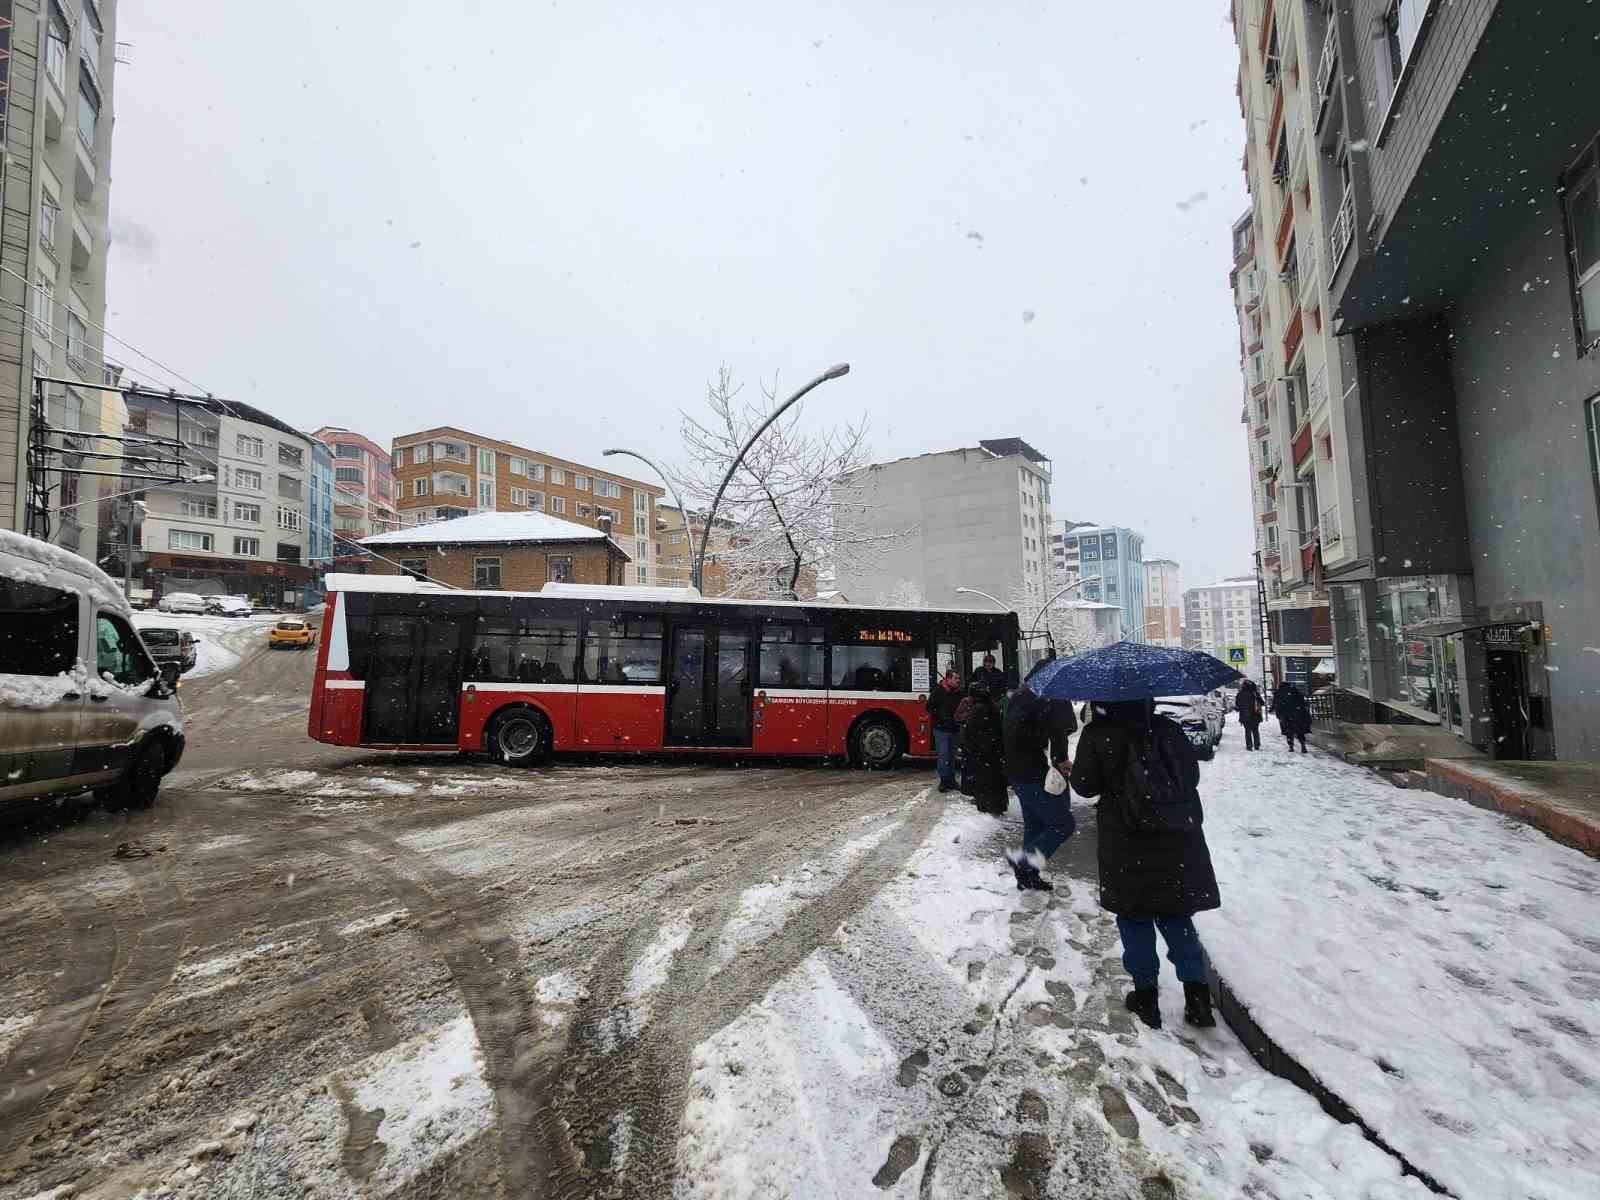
(271, 584)
(1492, 665)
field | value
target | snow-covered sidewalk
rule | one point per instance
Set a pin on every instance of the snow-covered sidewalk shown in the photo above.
(1437, 966)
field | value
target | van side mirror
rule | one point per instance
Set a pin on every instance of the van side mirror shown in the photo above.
(169, 676)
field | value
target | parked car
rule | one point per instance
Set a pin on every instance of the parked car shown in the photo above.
(170, 645)
(83, 705)
(1200, 720)
(292, 633)
(228, 606)
(181, 602)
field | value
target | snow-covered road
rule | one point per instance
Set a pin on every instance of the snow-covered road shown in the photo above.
(220, 642)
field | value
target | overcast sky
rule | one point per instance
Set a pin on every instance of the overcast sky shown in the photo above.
(551, 222)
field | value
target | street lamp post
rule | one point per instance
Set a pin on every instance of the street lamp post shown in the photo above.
(1076, 583)
(694, 569)
(966, 591)
(833, 372)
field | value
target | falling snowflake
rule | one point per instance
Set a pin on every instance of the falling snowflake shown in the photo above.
(1027, 315)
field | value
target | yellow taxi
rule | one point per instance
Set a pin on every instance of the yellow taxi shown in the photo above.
(292, 633)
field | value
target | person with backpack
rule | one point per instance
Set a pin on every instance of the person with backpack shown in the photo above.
(1035, 735)
(1155, 867)
(1251, 713)
(1294, 714)
(983, 754)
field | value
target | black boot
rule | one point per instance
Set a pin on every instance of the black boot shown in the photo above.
(1144, 1004)
(1197, 1005)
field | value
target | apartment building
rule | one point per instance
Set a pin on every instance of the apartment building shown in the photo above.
(57, 64)
(446, 472)
(975, 517)
(1111, 564)
(1466, 287)
(364, 499)
(1298, 391)
(1222, 617)
(676, 543)
(1065, 565)
(245, 526)
(1163, 602)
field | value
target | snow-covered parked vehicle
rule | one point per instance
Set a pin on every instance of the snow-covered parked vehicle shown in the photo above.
(83, 705)
(1200, 720)
(181, 602)
(228, 606)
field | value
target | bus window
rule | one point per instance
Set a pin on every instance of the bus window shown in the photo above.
(947, 657)
(525, 650)
(792, 657)
(872, 668)
(622, 650)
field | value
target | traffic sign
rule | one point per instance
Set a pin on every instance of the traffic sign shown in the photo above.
(1238, 656)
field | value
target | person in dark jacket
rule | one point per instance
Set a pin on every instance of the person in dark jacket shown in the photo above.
(983, 754)
(991, 677)
(1152, 879)
(1036, 733)
(1251, 713)
(1294, 714)
(942, 704)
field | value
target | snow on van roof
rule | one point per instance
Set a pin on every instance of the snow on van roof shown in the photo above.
(44, 564)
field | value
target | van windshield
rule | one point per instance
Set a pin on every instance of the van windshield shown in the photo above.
(159, 637)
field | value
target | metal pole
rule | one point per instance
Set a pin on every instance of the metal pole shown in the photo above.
(1053, 599)
(966, 591)
(831, 373)
(694, 570)
(127, 562)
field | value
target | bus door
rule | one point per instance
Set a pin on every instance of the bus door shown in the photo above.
(413, 693)
(709, 686)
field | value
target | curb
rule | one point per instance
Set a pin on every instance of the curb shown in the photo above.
(1557, 823)
(1272, 1057)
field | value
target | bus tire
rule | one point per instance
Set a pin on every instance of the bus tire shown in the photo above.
(518, 737)
(877, 742)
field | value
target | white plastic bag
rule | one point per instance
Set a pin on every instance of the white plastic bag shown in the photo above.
(1055, 782)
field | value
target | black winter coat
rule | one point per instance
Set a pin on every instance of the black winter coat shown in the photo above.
(1143, 873)
(942, 704)
(1033, 726)
(1251, 709)
(1294, 714)
(983, 757)
(991, 678)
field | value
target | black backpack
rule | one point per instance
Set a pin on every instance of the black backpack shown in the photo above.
(1154, 798)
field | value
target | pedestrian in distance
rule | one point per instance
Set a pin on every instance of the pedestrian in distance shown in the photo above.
(990, 677)
(942, 703)
(1251, 713)
(1036, 733)
(983, 754)
(1294, 714)
(1155, 867)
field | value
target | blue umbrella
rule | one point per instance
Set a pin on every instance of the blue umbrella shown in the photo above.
(1130, 671)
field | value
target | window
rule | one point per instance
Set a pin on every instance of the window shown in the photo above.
(247, 547)
(198, 506)
(397, 459)
(290, 488)
(72, 410)
(536, 472)
(118, 653)
(188, 539)
(40, 633)
(415, 568)
(486, 573)
(609, 514)
(348, 475)
(641, 502)
(485, 462)
(88, 113)
(247, 513)
(609, 488)
(792, 657)
(43, 303)
(348, 450)
(291, 518)
(557, 475)
(1582, 187)
(675, 538)
(288, 552)
(560, 568)
(519, 497)
(203, 436)
(641, 551)
(872, 668)
(1401, 25)
(586, 510)
(1594, 441)
(581, 482)
(536, 501)
(291, 455)
(558, 504)
(90, 50)
(525, 649)
(248, 447)
(622, 650)
(49, 214)
(486, 493)
(55, 50)
(519, 466)
(419, 487)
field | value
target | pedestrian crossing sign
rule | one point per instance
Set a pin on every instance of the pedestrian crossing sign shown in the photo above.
(1238, 656)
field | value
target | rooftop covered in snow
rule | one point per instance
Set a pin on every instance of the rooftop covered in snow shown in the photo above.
(502, 528)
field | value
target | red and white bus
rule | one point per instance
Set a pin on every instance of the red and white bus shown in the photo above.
(407, 665)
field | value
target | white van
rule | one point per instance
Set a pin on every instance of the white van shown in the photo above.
(83, 705)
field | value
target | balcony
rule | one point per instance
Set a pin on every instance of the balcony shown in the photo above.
(1296, 331)
(451, 452)
(451, 483)
(1302, 443)
(1344, 228)
(85, 174)
(55, 111)
(1317, 391)
(1330, 526)
(1326, 66)
(1308, 556)
(82, 241)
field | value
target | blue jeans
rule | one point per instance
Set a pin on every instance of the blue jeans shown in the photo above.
(1139, 948)
(944, 742)
(1046, 820)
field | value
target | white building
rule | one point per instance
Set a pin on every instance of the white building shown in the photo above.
(1066, 562)
(1222, 616)
(976, 517)
(1163, 602)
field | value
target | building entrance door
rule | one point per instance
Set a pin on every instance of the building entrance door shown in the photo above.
(1508, 703)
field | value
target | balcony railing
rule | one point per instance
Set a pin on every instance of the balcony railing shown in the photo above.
(449, 452)
(1326, 65)
(1330, 526)
(1317, 391)
(1344, 228)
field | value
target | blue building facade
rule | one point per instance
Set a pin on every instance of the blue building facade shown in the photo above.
(319, 518)
(1111, 563)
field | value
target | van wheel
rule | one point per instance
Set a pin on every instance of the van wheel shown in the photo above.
(138, 787)
(518, 737)
(877, 743)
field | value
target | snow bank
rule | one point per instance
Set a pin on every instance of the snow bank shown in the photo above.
(1436, 965)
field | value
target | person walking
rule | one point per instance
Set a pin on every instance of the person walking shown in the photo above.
(991, 677)
(1251, 713)
(1155, 873)
(1294, 714)
(983, 754)
(942, 703)
(1036, 733)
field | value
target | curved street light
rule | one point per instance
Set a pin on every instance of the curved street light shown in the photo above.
(966, 591)
(694, 569)
(1076, 583)
(832, 372)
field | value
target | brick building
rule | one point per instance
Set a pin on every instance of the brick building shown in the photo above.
(444, 473)
(363, 501)
(488, 551)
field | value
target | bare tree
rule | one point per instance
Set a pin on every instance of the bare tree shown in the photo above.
(904, 594)
(1074, 624)
(785, 511)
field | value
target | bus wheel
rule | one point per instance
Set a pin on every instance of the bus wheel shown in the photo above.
(877, 743)
(518, 737)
